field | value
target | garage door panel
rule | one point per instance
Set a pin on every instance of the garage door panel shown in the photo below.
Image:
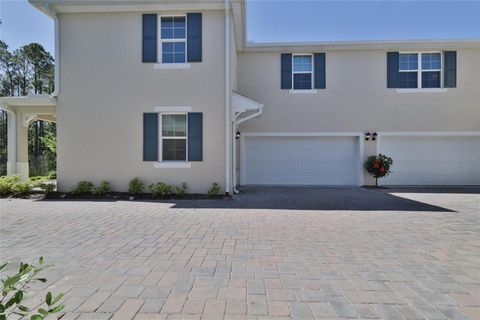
(432, 160)
(301, 160)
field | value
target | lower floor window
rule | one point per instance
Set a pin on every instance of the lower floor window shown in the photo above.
(174, 137)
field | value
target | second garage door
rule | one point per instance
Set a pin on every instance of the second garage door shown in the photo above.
(324, 160)
(432, 160)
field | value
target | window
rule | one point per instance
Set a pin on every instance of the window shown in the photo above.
(302, 72)
(420, 70)
(173, 39)
(173, 137)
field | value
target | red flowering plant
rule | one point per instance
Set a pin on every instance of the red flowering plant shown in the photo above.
(378, 166)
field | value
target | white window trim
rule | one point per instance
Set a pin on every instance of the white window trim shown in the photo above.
(160, 64)
(304, 91)
(293, 90)
(171, 163)
(419, 71)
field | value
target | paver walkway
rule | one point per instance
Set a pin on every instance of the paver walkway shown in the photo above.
(145, 260)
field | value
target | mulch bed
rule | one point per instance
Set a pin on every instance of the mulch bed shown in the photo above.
(113, 196)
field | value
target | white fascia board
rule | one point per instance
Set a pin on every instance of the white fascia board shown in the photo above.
(75, 6)
(363, 45)
(28, 101)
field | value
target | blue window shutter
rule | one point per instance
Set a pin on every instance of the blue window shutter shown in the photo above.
(392, 69)
(194, 37)
(195, 136)
(320, 75)
(150, 137)
(450, 69)
(149, 38)
(286, 61)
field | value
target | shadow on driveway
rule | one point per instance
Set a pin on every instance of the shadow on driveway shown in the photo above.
(324, 198)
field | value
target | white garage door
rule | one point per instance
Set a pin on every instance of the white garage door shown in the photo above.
(301, 160)
(432, 160)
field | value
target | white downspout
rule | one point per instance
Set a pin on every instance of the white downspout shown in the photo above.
(235, 126)
(228, 118)
(12, 140)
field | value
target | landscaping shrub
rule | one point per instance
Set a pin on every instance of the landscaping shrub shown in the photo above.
(378, 166)
(12, 184)
(214, 189)
(14, 293)
(83, 187)
(160, 190)
(136, 186)
(52, 175)
(181, 191)
(102, 189)
(37, 180)
(47, 187)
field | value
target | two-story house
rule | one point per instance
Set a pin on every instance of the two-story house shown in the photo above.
(171, 91)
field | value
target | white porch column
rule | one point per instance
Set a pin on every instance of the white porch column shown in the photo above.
(22, 148)
(11, 142)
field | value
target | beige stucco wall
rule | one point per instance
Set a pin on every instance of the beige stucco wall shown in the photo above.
(356, 97)
(105, 89)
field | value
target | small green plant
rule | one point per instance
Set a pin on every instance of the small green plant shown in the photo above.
(36, 181)
(181, 191)
(47, 187)
(83, 187)
(136, 186)
(378, 166)
(12, 185)
(214, 189)
(52, 175)
(160, 190)
(14, 293)
(102, 189)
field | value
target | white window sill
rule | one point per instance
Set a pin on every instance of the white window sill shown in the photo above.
(172, 164)
(418, 90)
(171, 66)
(313, 91)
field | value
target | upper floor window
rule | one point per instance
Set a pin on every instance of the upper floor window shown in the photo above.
(420, 70)
(173, 39)
(302, 72)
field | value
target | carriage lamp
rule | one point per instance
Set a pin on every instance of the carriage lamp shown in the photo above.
(374, 136)
(237, 135)
(367, 136)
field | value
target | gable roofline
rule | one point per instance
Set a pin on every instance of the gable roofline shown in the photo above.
(423, 44)
(238, 11)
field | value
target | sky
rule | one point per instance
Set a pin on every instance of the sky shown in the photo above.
(297, 20)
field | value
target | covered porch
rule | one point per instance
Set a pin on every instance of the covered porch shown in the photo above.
(21, 111)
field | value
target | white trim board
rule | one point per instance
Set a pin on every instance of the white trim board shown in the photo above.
(302, 134)
(428, 133)
(172, 109)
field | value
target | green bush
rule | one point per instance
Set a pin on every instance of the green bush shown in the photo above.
(83, 187)
(52, 175)
(136, 186)
(47, 187)
(37, 180)
(14, 293)
(12, 184)
(102, 189)
(181, 191)
(160, 190)
(214, 189)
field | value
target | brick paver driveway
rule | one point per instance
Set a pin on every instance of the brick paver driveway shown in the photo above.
(329, 253)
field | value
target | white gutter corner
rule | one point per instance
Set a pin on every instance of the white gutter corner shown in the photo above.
(53, 14)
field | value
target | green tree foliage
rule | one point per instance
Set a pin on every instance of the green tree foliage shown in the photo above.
(28, 70)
